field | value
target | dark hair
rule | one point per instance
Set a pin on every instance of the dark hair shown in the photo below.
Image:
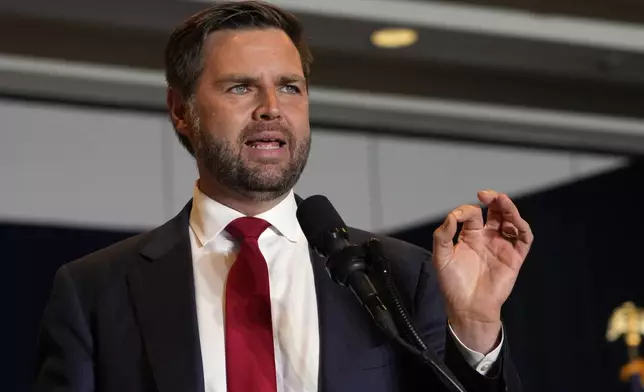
(183, 53)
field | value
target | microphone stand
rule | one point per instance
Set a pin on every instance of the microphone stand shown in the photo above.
(410, 340)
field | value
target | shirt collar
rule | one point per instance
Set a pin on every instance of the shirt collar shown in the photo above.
(208, 218)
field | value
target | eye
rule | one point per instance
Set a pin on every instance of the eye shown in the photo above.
(239, 89)
(291, 89)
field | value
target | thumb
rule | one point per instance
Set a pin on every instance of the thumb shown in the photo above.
(443, 244)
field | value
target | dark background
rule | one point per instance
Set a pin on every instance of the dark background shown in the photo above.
(33, 254)
(586, 260)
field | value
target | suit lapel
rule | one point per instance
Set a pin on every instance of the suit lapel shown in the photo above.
(344, 328)
(333, 358)
(317, 263)
(162, 290)
(328, 355)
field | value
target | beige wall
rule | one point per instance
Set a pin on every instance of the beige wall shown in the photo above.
(115, 168)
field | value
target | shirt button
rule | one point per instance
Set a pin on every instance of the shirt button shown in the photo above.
(485, 367)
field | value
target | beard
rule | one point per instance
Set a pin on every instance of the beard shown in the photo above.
(254, 180)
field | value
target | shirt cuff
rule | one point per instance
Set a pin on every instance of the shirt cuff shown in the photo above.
(480, 362)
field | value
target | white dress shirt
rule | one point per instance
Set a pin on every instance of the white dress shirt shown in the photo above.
(292, 292)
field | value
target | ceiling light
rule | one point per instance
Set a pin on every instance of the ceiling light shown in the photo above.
(394, 37)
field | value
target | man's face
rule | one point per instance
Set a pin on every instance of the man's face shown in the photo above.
(250, 113)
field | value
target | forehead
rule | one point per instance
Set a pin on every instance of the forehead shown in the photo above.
(251, 51)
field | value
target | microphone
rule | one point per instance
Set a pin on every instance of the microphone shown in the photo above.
(327, 233)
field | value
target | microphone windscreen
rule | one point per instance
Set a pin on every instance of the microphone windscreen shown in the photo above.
(317, 216)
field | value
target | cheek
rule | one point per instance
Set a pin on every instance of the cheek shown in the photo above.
(304, 130)
(298, 117)
(226, 122)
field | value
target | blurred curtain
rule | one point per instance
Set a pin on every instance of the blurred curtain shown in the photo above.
(31, 254)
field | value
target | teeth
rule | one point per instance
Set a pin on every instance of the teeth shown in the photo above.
(266, 146)
(265, 141)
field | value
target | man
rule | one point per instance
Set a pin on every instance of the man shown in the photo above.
(203, 304)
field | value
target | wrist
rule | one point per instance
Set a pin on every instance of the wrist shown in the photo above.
(477, 335)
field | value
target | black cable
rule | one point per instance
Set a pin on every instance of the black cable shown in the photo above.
(414, 343)
(381, 265)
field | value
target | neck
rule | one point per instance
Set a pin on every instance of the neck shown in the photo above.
(249, 205)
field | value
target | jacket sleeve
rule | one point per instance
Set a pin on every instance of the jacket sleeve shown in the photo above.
(431, 320)
(64, 351)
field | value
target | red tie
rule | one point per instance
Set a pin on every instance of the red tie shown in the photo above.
(250, 357)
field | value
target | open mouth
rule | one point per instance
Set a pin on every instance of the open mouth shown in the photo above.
(266, 143)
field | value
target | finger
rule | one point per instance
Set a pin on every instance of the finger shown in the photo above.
(509, 229)
(470, 215)
(443, 244)
(511, 214)
(494, 217)
(487, 196)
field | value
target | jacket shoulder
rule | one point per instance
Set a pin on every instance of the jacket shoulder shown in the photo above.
(115, 253)
(118, 256)
(409, 263)
(95, 273)
(410, 266)
(391, 245)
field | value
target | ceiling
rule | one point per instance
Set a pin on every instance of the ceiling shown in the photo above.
(536, 54)
(631, 11)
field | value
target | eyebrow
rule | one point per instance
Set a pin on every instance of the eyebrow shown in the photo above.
(245, 79)
(293, 78)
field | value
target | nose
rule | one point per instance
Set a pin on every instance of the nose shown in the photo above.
(268, 108)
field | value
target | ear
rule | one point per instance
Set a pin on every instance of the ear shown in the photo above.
(178, 112)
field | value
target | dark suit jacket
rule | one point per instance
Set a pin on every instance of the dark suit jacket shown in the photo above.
(124, 319)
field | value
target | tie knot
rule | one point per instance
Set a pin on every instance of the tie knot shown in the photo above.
(247, 227)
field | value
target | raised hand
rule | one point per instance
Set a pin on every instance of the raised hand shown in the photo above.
(478, 272)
